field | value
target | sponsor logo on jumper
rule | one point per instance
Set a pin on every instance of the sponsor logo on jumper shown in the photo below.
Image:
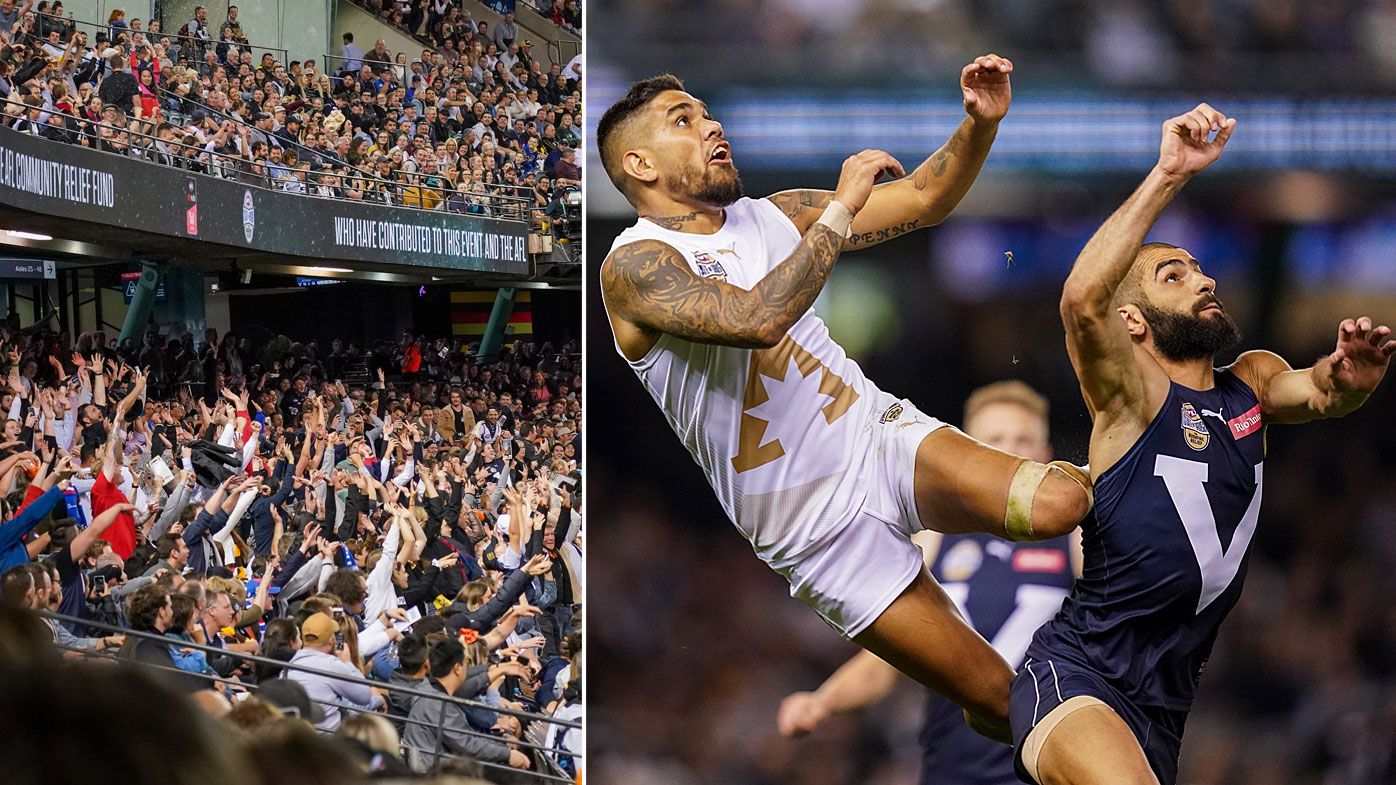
(893, 412)
(1038, 560)
(1195, 432)
(708, 267)
(1244, 425)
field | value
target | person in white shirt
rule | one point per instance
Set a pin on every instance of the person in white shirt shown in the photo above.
(352, 54)
(710, 298)
(321, 652)
(489, 429)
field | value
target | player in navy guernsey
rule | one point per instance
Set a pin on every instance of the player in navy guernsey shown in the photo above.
(1006, 590)
(1177, 456)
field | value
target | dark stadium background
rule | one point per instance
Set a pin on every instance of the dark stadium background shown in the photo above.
(365, 311)
(699, 641)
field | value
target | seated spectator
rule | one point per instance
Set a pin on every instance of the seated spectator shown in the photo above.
(439, 724)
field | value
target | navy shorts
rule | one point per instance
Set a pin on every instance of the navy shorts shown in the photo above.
(1043, 685)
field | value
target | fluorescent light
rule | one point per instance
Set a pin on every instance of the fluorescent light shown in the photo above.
(332, 270)
(27, 235)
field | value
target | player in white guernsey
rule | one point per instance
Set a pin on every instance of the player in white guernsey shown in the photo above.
(710, 296)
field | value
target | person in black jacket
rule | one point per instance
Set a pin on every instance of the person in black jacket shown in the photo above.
(274, 492)
(119, 88)
(486, 616)
(149, 610)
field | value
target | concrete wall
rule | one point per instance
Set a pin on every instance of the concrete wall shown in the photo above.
(532, 26)
(97, 10)
(367, 28)
(301, 27)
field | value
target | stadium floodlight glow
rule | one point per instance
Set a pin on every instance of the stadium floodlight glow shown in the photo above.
(27, 235)
(332, 269)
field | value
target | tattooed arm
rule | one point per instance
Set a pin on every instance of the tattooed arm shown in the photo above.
(650, 289)
(930, 193)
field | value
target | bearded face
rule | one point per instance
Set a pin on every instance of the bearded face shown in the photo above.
(715, 185)
(1193, 335)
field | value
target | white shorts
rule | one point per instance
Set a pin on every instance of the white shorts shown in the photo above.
(851, 578)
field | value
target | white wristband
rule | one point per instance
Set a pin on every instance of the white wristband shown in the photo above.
(837, 217)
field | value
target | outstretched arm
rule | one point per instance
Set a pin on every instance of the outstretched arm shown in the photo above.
(1336, 385)
(930, 193)
(1100, 348)
(862, 681)
(650, 285)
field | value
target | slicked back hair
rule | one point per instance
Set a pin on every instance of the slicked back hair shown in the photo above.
(621, 112)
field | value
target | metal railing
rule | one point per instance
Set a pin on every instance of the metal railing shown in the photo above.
(362, 61)
(527, 719)
(555, 48)
(191, 42)
(244, 169)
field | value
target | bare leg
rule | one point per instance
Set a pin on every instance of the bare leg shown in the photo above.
(962, 486)
(1093, 746)
(923, 635)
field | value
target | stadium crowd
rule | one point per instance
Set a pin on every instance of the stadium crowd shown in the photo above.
(420, 530)
(470, 127)
(441, 22)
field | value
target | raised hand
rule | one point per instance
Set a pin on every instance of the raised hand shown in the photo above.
(538, 565)
(860, 173)
(1186, 148)
(986, 87)
(800, 713)
(1361, 357)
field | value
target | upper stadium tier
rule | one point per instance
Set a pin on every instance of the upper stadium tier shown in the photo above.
(196, 144)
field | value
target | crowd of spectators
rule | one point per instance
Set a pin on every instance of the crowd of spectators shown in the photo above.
(471, 127)
(418, 528)
(440, 21)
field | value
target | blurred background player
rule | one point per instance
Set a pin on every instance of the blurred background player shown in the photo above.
(1006, 590)
(710, 297)
(1177, 456)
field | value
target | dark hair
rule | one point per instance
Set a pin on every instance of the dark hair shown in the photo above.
(38, 572)
(157, 728)
(635, 99)
(429, 624)
(14, 584)
(412, 652)
(348, 38)
(446, 655)
(167, 545)
(145, 605)
(280, 651)
(347, 585)
(184, 607)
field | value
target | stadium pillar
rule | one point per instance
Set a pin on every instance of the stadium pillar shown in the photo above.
(142, 302)
(184, 308)
(499, 319)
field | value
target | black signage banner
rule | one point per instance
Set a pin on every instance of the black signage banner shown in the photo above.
(76, 182)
